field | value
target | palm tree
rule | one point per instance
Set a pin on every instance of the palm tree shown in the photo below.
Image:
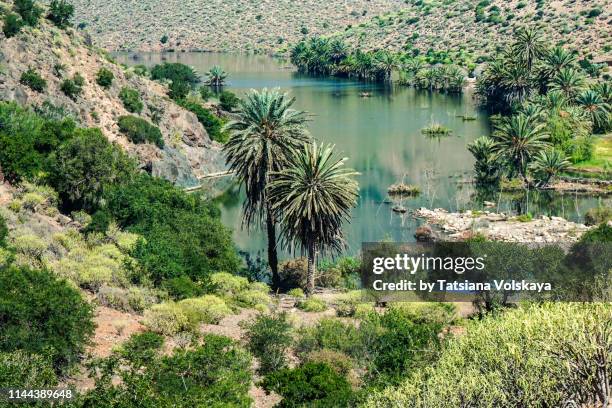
(548, 164)
(517, 84)
(529, 46)
(264, 132)
(569, 82)
(337, 50)
(517, 139)
(554, 61)
(314, 196)
(386, 63)
(487, 166)
(596, 108)
(216, 76)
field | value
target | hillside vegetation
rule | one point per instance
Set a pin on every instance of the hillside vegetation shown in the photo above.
(472, 26)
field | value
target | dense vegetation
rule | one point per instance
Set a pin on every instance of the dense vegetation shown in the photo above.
(138, 130)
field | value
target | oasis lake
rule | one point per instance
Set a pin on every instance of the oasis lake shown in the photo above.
(381, 136)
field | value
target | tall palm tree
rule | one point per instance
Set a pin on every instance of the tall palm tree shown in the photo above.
(569, 82)
(517, 139)
(554, 61)
(216, 76)
(337, 50)
(529, 46)
(548, 164)
(517, 83)
(386, 63)
(266, 129)
(314, 196)
(596, 108)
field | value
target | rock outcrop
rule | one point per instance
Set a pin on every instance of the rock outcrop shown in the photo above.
(499, 226)
(59, 54)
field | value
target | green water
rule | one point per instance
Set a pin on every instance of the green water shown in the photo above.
(382, 137)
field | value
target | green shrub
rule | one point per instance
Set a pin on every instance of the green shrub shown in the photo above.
(421, 312)
(229, 101)
(12, 25)
(182, 287)
(84, 167)
(293, 273)
(208, 309)
(60, 13)
(331, 334)
(338, 361)
(178, 90)
(19, 369)
(598, 215)
(312, 384)
(252, 298)
(205, 93)
(29, 11)
(33, 80)
(312, 305)
(72, 88)
(530, 356)
(346, 307)
(211, 123)
(175, 72)
(296, 293)
(216, 373)
(167, 319)
(131, 100)
(41, 314)
(138, 130)
(134, 299)
(142, 348)
(105, 78)
(268, 337)
(3, 231)
(226, 284)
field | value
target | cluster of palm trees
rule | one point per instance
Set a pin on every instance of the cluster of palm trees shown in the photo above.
(443, 78)
(322, 56)
(551, 109)
(216, 76)
(291, 182)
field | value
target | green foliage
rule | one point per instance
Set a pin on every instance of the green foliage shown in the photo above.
(593, 216)
(131, 100)
(175, 72)
(139, 131)
(182, 287)
(167, 319)
(33, 80)
(105, 78)
(29, 11)
(312, 384)
(72, 88)
(182, 233)
(603, 233)
(134, 299)
(178, 90)
(85, 167)
(211, 123)
(12, 25)
(311, 304)
(229, 101)
(208, 309)
(205, 93)
(3, 231)
(41, 314)
(296, 293)
(19, 369)
(216, 76)
(26, 139)
(268, 338)
(61, 12)
(530, 356)
(215, 373)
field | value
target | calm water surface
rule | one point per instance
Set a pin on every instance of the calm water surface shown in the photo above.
(381, 136)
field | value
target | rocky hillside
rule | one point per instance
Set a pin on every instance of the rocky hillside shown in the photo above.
(60, 54)
(479, 27)
(240, 25)
(219, 25)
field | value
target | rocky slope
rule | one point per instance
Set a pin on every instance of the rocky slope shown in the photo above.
(269, 26)
(58, 54)
(219, 25)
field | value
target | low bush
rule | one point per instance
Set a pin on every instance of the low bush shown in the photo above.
(167, 319)
(330, 334)
(178, 90)
(19, 369)
(296, 293)
(175, 72)
(131, 100)
(60, 13)
(73, 88)
(312, 305)
(41, 314)
(182, 287)
(293, 273)
(268, 337)
(4, 232)
(598, 215)
(138, 130)
(530, 356)
(33, 80)
(211, 123)
(208, 309)
(29, 11)
(226, 284)
(312, 384)
(338, 361)
(133, 299)
(421, 312)
(12, 25)
(105, 78)
(229, 101)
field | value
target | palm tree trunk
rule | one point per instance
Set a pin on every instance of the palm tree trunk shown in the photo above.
(272, 254)
(310, 277)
